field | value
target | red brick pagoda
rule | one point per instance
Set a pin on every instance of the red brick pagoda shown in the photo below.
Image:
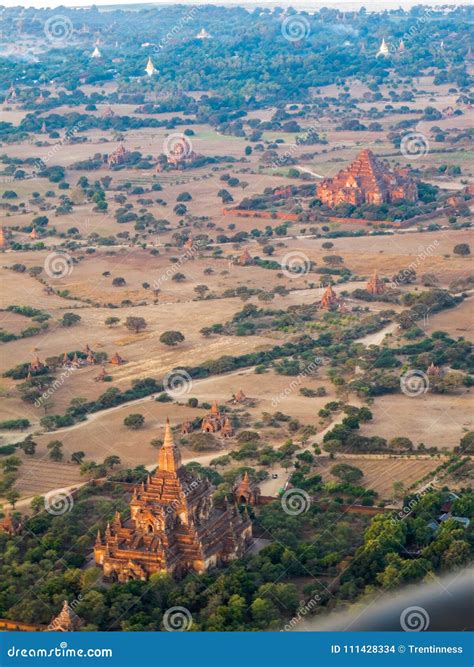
(174, 526)
(366, 181)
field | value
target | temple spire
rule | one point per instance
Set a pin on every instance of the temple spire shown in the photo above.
(169, 457)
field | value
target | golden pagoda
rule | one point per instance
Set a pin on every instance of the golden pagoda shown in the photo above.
(383, 49)
(150, 68)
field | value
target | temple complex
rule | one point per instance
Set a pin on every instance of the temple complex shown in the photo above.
(66, 621)
(366, 181)
(375, 285)
(215, 422)
(174, 526)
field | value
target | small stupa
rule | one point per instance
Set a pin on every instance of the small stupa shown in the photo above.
(383, 49)
(150, 68)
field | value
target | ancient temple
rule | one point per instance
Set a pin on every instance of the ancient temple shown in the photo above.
(245, 259)
(96, 53)
(117, 360)
(215, 422)
(203, 34)
(174, 526)
(433, 370)
(366, 181)
(245, 492)
(36, 364)
(375, 285)
(66, 621)
(3, 240)
(102, 375)
(150, 68)
(329, 299)
(383, 49)
(117, 156)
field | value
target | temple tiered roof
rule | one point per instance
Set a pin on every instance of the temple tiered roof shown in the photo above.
(367, 180)
(174, 526)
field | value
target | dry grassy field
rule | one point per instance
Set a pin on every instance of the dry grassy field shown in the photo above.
(435, 420)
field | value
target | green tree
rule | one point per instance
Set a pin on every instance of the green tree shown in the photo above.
(171, 338)
(55, 450)
(134, 421)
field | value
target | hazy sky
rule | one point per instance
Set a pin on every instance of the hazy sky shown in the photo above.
(297, 4)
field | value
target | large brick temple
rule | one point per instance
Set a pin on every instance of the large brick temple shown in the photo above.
(367, 181)
(174, 526)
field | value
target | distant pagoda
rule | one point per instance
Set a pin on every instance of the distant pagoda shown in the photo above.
(383, 49)
(174, 526)
(203, 34)
(375, 285)
(96, 53)
(329, 300)
(150, 68)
